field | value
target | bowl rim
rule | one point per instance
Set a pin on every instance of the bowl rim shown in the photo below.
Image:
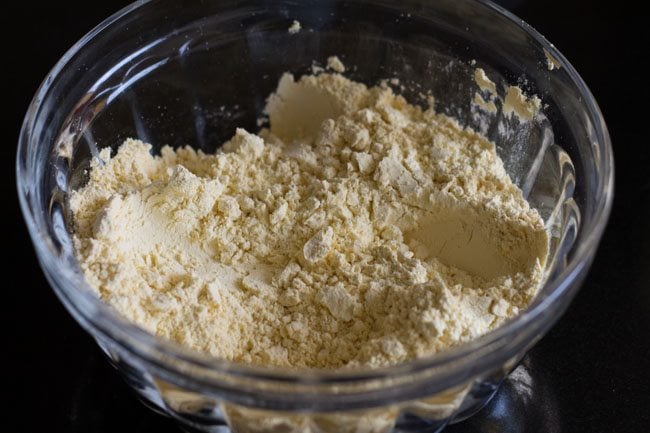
(78, 298)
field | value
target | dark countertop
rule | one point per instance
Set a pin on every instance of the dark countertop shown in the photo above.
(591, 373)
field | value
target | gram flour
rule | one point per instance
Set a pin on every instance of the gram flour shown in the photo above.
(357, 230)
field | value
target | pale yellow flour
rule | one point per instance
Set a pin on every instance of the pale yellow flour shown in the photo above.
(358, 230)
(295, 27)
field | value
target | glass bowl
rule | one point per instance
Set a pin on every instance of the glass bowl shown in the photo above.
(178, 73)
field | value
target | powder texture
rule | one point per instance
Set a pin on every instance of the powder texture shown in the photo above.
(358, 230)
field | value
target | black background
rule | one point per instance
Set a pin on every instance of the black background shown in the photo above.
(591, 373)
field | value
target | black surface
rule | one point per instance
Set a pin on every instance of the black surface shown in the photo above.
(591, 373)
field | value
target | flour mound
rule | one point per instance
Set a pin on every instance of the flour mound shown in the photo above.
(357, 230)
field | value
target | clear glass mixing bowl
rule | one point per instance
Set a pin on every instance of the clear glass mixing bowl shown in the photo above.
(179, 73)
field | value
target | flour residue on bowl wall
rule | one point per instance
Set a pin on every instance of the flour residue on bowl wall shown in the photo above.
(551, 62)
(515, 102)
